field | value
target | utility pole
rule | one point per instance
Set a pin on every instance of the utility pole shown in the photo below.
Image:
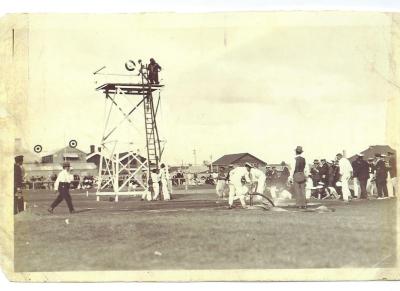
(211, 164)
(194, 156)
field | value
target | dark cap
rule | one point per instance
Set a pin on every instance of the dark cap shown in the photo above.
(316, 161)
(19, 159)
(299, 149)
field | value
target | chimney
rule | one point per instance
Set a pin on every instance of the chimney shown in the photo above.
(92, 147)
(99, 149)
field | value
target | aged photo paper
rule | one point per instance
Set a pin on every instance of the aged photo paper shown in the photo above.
(247, 146)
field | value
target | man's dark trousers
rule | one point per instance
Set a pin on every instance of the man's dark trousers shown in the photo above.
(381, 187)
(363, 186)
(63, 191)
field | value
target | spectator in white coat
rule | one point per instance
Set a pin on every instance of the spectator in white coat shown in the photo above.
(345, 172)
(164, 177)
(155, 182)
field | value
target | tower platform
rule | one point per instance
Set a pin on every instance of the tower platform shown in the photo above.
(128, 88)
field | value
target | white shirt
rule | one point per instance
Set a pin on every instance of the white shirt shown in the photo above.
(155, 177)
(237, 173)
(63, 177)
(257, 174)
(164, 175)
(345, 168)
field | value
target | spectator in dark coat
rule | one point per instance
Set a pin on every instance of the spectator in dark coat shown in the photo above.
(315, 175)
(381, 176)
(324, 172)
(284, 175)
(18, 181)
(361, 172)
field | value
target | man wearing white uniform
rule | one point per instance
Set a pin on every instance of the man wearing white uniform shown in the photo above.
(258, 176)
(346, 172)
(236, 188)
(155, 182)
(164, 177)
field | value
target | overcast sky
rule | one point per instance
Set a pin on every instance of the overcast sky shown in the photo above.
(257, 83)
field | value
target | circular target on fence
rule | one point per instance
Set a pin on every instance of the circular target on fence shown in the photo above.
(37, 148)
(130, 65)
(73, 143)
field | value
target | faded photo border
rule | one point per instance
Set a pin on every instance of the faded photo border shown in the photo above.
(15, 76)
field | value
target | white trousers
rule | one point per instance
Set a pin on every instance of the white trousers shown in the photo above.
(389, 185)
(273, 192)
(156, 190)
(165, 190)
(371, 186)
(146, 195)
(260, 186)
(356, 188)
(345, 188)
(237, 191)
(220, 188)
(309, 186)
(395, 186)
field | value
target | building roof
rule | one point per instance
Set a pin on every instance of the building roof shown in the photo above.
(374, 149)
(63, 150)
(232, 158)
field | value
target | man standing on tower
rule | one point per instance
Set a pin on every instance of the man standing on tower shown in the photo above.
(153, 68)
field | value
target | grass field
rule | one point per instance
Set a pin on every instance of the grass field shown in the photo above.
(194, 232)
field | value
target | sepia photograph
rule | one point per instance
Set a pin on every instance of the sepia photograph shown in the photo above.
(229, 146)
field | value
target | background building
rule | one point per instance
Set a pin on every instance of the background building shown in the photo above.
(374, 149)
(237, 159)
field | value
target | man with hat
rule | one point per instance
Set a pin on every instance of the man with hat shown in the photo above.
(371, 184)
(237, 190)
(345, 173)
(62, 185)
(354, 165)
(299, 179)
(324, 172)
(18, 180)
(285, 174)
(315, 175)
(268, 175)
(361, 175)
(221, 182)
(381, 176)
(257, 176)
